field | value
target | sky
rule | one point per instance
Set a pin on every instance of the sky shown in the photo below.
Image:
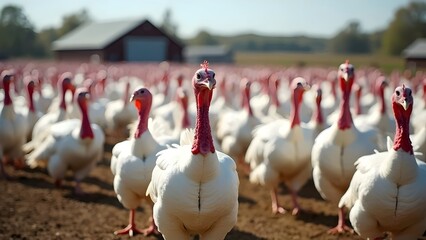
(316, 18)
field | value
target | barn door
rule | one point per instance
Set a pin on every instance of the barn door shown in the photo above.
(145, 49)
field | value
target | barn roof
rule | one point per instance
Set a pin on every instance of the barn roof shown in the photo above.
(95, 35)
(416, 50)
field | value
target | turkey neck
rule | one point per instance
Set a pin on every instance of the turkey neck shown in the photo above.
(424, 91)
(382, 100)
(203, 141)
(7, 98)
(86, 129)
(402, 133)
(103, 86)
(143, 115)
(185, 118)
(345, 117)
(317, 114)
(274, 95)
(246, 101)
(294, 113)
(63, 105)
(333, 89)
(358, 94)
(31, 106)
(401, 166)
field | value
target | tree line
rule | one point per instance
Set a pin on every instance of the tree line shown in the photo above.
(19, 39)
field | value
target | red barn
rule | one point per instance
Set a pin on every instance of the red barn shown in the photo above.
(130, 41)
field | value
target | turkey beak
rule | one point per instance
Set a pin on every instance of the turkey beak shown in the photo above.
(406, 102)
(346, 76)
(87, 96)
(209, 83)
(306, 86)
(303, 86)
(132, 98)
(319, 92)
(349, 73)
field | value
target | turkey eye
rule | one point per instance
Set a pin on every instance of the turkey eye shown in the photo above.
(142, 91)
(198, 76)
(397, 93)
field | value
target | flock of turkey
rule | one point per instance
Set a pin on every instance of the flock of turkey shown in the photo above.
(181, 138)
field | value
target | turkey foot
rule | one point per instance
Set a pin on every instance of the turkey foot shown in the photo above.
(340, 229)
(131, 229)
(151, 230)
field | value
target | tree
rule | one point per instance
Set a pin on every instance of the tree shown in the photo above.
(72, 21)
(350, 40)
(13, 15)
(17, 33)
(375, 39)
(45, 38)
(168, 26)
(204, 38)
(69, 22)
(408, 24)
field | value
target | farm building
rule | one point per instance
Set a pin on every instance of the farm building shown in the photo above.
(218, 54)
(415, 54)
(130, 41)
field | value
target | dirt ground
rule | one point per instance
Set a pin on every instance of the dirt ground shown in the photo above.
(32, 208)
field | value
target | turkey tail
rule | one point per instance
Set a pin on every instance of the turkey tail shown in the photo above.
(41, 153)
(28, 147)
(33, 162)
(345, 202)
(254, 153)
(31, 145)
(262, 175)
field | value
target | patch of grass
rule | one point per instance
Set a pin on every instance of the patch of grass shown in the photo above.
(385, 63)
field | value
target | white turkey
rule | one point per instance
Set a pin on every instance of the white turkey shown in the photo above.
(281, 152)
(336, 149)
(13, 128)
(32, 115)
(317, 123)
(386, 193)
(194, 187)
(132, 163)
(73, 144)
